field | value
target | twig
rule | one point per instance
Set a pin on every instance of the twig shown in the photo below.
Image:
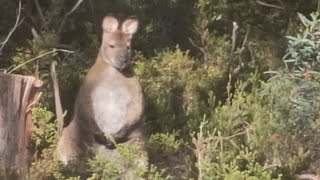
(308, 177)
(18, 22)
(68, 14)
(234, 37)
(245, 38)
(57, 100)
(43, 19)
(270, 5)
(3, 71)
(36, 36)
(281, 2)
(228, 137)
(94, 16)
(35, 58)
(29, 108)
(251, 52)
(200, 147)
(46, 45)
(235, 135)
(233, 43)
(236, 70)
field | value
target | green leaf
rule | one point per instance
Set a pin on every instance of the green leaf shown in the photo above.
(304, 20)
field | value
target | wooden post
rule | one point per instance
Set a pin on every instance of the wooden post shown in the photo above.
(18, 94)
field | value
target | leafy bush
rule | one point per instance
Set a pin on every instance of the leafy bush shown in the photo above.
(270, 126)
(302, 57)
(103, 169)
(176, 89)
(126, 167)
(164, 142)
(44, 130)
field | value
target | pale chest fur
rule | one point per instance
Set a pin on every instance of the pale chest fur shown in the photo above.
(112, 97)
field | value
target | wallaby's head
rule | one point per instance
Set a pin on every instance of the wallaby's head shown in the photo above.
(116, 41)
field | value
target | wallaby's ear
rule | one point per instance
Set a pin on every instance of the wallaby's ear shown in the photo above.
(110, 24)
(130, 25)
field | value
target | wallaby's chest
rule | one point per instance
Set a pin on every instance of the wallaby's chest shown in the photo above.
(111, 99)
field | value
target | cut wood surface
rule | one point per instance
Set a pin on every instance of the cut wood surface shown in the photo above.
(18, 94)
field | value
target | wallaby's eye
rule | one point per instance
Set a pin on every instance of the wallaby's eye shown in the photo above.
(128, 48)
(111, 46)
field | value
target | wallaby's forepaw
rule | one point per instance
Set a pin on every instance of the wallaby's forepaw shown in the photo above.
(107, 141)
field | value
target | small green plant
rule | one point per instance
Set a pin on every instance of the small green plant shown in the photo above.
(47, 167)
(44, 137)
(133, 160)
(44, 130)
(9, 173)
(122, 162)
(165, 143)
(103, 169)
(155, 174)
(302, 57)
(216, 158)
(204, 39)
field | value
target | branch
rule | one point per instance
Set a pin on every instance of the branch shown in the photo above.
(233, 44)
(270, 5)
(233, 48)
(43, 19)
(308, 177)
(18, 22)
(234, 37)
(3, 71)
(40, 56)
(235, 135)
(57, 100)
(281, 2)
(68, 14)
(94, 16)
(43, 44)
(245, 38)
(228, 137)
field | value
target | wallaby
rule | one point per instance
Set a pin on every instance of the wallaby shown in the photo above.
(110, 100)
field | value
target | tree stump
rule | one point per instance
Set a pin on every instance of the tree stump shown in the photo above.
(18, 94)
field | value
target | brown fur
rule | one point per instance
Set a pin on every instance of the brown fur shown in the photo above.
(110, 100)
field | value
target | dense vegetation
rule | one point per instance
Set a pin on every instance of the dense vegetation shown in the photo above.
(232, 87)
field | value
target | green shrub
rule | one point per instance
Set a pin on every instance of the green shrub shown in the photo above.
(47, 167)
(44, 130)
(271, 126)
(125, 166)
(101, 168)
(302, 57)
(176, 89)
(164, 143)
